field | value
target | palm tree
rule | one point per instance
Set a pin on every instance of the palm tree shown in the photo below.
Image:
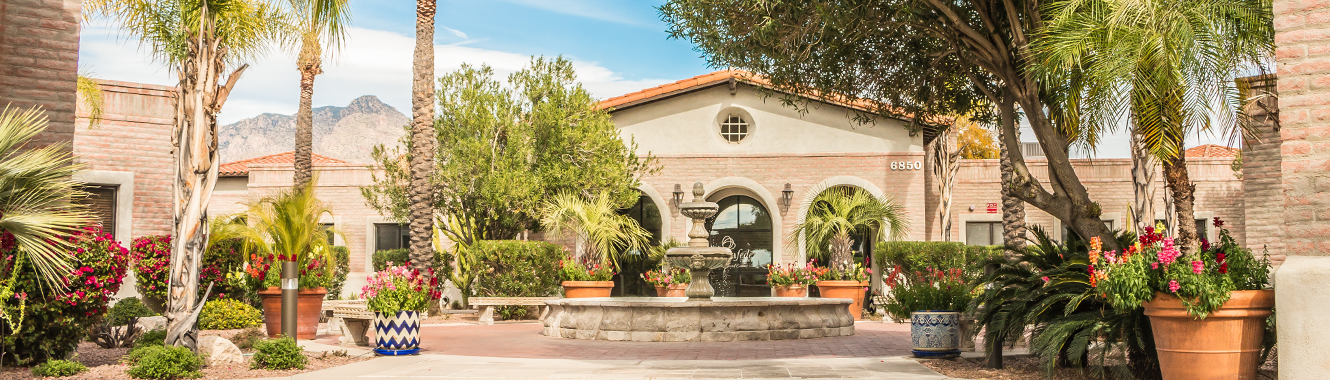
(317, 23)
(199, 40)
(839, 212)
(36, 196)
(286, 224)
(602, 233)
(90, 93)
(421, 193)
(1169, 65)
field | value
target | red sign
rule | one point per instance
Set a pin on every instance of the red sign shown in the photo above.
(992, 208)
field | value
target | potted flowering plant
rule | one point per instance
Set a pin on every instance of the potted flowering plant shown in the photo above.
(398, 295)
(585, 280)
(1207, 308)
(932, 301)
(669, 283)
(790, 280)
(849, 282)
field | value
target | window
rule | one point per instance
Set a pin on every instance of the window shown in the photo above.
(101, 202)
(743, 225)
(647, 215)
(328, 230)
(983, 233)
(734, 128)
(1201, 229)
(391, 236)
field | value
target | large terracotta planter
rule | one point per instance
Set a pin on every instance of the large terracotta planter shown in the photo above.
(309, 303)
(935, 333)
(397, 333)
(587, 289)
(795, 290)
(853, 290)
(675, 290)
(1224, 345)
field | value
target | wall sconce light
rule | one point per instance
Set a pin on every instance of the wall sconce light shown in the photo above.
(678, 197)
(786, 197)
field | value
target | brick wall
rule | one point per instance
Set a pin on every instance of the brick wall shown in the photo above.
(1303, 39)
(134, 137)
(39, 45)
(1261, 179)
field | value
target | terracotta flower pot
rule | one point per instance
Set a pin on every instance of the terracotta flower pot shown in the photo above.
(673, 290)
(1224, 345)
(853, 290)
(587, 289)
(309, 303)
(794, 290)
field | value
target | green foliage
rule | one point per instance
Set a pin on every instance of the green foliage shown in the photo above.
(342, 260)
(511, 268)
(401, 256)
(836, 213)
(596, 222)
(503, 149)
(916, 256)
(575, 270)
(226, 314)
(151, 256)
(58, 368)
(162, 362)
(399, 288)
(854, 272)
(932, 289)
(223, 256)
(286, 227)
(247, 338)
(125, 309)
(151, 338)
(282, 353)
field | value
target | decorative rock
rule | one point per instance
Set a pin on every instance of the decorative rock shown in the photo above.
(217, 350)
(147, 324)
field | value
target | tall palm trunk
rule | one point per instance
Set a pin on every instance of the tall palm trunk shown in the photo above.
(1013, 209)
(842, 254)
(422, 136)
(1143, 184)
(1183, 192)
(304, 165)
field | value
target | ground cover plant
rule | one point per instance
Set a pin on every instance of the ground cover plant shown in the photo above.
(58, 368)
(226, 314)
(125, 309)
(282, 353)
(164, 362)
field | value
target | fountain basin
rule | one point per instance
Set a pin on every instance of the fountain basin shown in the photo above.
(676, 319)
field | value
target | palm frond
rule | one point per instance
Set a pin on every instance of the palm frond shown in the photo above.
(90, 94)
(848, 210)
(596, 223)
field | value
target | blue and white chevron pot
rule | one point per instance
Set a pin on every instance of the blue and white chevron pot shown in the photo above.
(935, 333)
(397, 333)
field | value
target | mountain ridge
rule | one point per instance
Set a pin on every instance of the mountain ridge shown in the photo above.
(347, 133)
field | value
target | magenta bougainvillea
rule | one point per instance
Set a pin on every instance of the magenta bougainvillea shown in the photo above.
(152, 262)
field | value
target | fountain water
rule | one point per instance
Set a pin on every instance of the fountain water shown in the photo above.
(699, 316)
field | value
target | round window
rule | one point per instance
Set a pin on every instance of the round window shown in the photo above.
(733, 128)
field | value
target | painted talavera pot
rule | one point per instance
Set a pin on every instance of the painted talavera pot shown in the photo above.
(397, 333)
(794, 290)
(309, 303)
(852, 290)
(935, 333)
(675, 290)
(1224, 345)
(587, 289)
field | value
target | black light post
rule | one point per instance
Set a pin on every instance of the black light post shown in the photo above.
(290, 285)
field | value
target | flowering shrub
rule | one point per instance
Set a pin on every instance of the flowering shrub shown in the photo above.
(853, 273)
(790, 274)
(1203, 280)
(576, 270)
(52, 325)
(266, 270)
(152, 261)
(399, 288)
(674, 276)
(222, 257)
(929, 289)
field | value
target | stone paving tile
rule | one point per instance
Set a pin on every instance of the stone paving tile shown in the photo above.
(461, 367)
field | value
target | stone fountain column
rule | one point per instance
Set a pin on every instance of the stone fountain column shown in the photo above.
(698, 256)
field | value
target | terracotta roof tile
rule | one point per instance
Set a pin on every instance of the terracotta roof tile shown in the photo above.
(241, 168)
(1212, 151)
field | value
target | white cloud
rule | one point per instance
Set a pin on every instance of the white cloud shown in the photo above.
(595, 10)
(372, 62)
(455, 32)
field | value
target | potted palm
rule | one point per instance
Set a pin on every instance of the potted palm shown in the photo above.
(285, 227)
(669, 283)
(834, 217)
(1207, 308)
(601, 234)
(398, 295)
(932, 300)
(790, 280)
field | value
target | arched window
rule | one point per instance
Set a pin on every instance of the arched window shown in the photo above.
(647, 215)
(629, 281)
(743, 225)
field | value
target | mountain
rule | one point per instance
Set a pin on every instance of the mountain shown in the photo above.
(345, 133)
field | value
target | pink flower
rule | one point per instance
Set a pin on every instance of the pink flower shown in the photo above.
(1154, 265)
(1197, 267)
(1173, 286)
(1045, 278)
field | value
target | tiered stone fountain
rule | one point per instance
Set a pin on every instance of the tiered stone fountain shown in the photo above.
(698, 317)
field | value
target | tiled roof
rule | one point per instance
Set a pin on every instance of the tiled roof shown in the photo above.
(1212, 151)
(241, 168)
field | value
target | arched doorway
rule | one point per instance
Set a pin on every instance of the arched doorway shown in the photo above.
(744, 225)
(629, 281)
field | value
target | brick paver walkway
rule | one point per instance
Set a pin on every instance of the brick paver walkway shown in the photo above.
(523, 340)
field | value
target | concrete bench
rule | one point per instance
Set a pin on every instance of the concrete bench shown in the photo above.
(352, 317)
(487, 304)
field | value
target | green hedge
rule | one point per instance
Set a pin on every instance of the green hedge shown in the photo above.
(919, 255)
(401, 256)
(343, 267)
(512, 268)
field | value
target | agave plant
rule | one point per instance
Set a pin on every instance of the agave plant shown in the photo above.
(37, 194)
(601, 232)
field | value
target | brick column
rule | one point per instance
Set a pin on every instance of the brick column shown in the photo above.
(1303, 281)
(39, 54)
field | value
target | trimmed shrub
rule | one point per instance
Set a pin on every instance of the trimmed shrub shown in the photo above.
(513, 268)
(917, 256)
(246, 339)
(280, 353)
(341, 268)
(151, 338)
(222, 257)
(152, 261)
(160, 362)
(58, 368)
(52, 325)
(226, 314)
(125, 309)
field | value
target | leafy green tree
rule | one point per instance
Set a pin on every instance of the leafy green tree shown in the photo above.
(839, 212)
(1167, 65)
(502, 150)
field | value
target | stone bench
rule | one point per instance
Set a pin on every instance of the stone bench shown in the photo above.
(352, 317)
(487, 304)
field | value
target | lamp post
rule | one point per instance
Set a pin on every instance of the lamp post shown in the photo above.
(290, 285)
